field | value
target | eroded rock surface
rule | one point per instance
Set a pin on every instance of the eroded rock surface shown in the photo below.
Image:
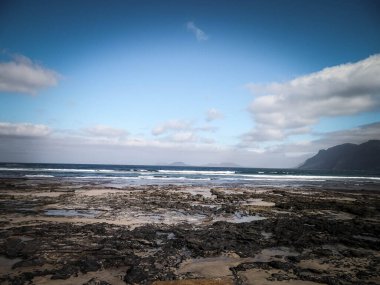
(56, 232)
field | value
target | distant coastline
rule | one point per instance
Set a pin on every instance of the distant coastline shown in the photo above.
(365, 156)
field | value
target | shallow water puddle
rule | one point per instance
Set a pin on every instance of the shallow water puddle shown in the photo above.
(238, 217)
(211, 267)
(177, 217)
(7, 263)
(169, 218)
(72, 213)
(269, 254)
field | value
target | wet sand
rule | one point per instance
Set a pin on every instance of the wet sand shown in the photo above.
(61, 232)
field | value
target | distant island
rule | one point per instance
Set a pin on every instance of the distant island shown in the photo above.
(177, 163)
(365, 156)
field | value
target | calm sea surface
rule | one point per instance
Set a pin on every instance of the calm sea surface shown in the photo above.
(120, 175)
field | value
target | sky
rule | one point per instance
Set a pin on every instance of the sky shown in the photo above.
(256, 83)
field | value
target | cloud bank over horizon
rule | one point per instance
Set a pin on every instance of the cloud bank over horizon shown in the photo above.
(22, 75)
(23, 130)
(294, 107)
(104, 144)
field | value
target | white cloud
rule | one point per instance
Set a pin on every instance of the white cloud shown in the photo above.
(184, 137)
(176, 131)
(25, 142)
(293, 107)
(23, 130)
(198, 33)
(182, 131)
(22, 75)
(172, 125)
(37, 143)
(213, 114)
(106, 131)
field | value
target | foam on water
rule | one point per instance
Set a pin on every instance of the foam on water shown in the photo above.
(197, 172)
(134, 175)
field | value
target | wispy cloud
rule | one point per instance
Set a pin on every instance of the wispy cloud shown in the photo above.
(294, 107)
(106, 144)
(172, 125)
(176, 131)
(182, 131)
(106, 131)
(198, 33)
(23, 130)
(22, 75)
(213, 114)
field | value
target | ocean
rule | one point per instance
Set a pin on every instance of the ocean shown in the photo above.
(124, 175)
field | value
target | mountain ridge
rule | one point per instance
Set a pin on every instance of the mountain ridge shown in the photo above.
(347, 156)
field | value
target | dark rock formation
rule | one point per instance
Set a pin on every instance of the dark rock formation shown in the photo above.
(347, 156)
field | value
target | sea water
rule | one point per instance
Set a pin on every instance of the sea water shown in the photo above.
(148, 174)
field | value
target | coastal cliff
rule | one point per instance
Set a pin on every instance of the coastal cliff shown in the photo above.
(365, 156)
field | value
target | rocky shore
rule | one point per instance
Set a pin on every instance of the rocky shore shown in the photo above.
(61, 232)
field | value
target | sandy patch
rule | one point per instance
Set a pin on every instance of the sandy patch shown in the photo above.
(348, 199)
(112, 276)
(36, 194)
(274, 253)
(260, 277)
(211, 267)
(205, 192)
(314, 264)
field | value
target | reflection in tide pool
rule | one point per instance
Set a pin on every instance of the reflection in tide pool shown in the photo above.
(72, 213)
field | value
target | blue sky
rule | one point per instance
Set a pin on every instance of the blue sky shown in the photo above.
(198, 81)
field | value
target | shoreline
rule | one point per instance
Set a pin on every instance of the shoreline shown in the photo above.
(61, 232)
